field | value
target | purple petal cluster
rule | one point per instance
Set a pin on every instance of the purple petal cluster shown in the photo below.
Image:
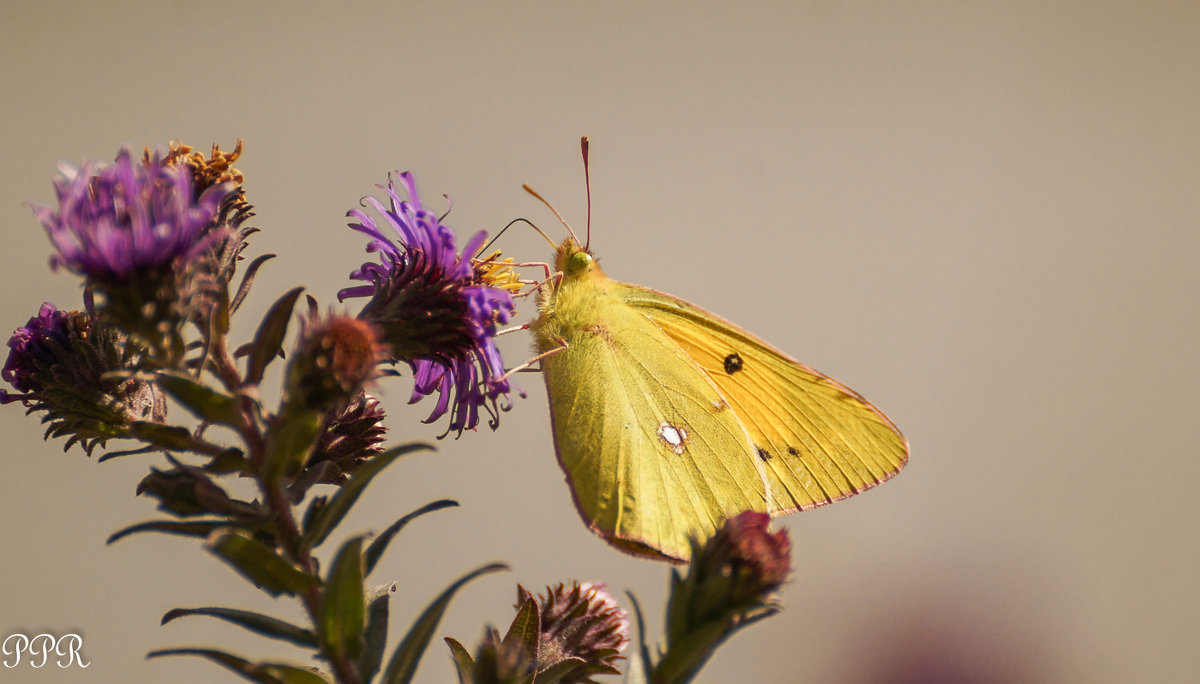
(31, 347)
(113, 222)
(436, 313)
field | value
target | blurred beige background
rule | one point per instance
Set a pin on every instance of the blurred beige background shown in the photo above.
(982, 216)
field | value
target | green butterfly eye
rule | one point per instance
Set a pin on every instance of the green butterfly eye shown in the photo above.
(580, 262)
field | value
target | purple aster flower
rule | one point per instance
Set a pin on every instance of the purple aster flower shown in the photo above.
(115, 222)
(436, 309)
(60, 363)
(32, 350)
(144, 239)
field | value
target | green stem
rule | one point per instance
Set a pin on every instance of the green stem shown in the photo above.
(275, 497)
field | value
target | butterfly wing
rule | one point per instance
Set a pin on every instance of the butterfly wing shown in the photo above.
(650, 449)
(819, 441)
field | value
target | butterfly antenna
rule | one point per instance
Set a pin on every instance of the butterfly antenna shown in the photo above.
(531, 225)
(558, 215)
(496, 237)
(587, 183)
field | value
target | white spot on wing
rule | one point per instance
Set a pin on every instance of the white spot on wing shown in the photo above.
(676, 438)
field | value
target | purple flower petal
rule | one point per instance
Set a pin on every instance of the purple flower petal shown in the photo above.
(435, 314)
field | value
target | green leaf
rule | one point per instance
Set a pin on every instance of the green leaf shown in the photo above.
(315, 504)
(525, 629)
(680, 599)
(170, 437)
(229, 461)
(259, 563)
(291, 437)
(560, 669)
(379, 544)
(186, 528)
(644, 660)
(342, 614)
(248, 280)
(289, 674)
(403, 665)
(327, 517)
(235, 663)
(684, 659)
(125, 452)
(265, 673)
(375, 636)
(463, 662)
(268, 341)
(188, 491)
(218, 326)
(205, 402)
(255, 622)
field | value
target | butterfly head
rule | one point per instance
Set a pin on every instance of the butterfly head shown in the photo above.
(573, 260)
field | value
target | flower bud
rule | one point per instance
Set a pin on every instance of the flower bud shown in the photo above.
(62, 362)
(730, 584)
(337, 356)
(582, 622)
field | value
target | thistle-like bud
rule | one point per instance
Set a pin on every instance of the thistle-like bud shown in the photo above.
(352, 436)
(574, 632)
(743, 563)
(337, 356)
(581, 622)
(60, 362)
(730, 583)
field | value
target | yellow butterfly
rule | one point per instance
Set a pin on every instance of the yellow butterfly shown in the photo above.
(668, 419)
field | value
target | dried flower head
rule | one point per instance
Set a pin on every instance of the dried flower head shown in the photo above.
(60, 363)
(215, 169)
(436, 311)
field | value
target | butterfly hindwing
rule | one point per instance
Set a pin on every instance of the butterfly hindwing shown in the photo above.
(650, 448)
(818, 440)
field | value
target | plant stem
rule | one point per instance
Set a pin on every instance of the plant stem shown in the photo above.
(276, 499)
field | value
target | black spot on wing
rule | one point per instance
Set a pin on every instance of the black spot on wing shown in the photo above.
(733, 363)
(793, 451)
(763, 453)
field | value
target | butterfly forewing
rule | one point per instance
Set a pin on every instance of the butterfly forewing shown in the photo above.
(818, 440)
(651, 449)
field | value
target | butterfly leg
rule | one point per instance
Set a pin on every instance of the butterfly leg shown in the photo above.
(515, 328)
(531, 264)
(537, 359)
